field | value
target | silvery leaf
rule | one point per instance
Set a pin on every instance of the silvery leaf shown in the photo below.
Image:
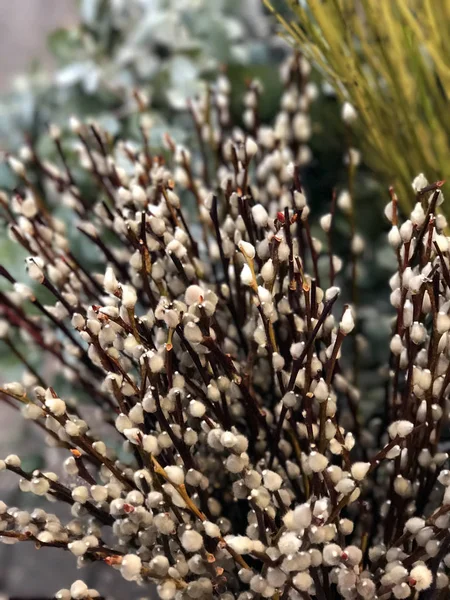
(74, 73)
(89, 10)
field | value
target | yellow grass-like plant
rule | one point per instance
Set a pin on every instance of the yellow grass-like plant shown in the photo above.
(391, 60)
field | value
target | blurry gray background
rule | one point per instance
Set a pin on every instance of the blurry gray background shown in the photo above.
(24, 25)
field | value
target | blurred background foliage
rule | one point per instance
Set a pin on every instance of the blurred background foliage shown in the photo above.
(161, 46)
(391, 60)
(166, 49)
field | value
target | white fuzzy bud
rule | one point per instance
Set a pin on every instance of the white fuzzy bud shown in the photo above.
(138, 195)
(289, 543)
(300, 199)
(193, 333)
(299, 518)
(196, 408)
(394, 237)
(414, 525)
(110, 282)
(272, 481)
(246, 275)
(347, 322)
(247, 249)
(268, 271)
(359, 470)
(421, 577)
(130, 567)
(317, 461)
(80, 494)
(75, 125)
(211, 529)
(78, 548)
(289, 399)
(418, 333)
(193, 294)
(349, 114)
(303, 581)
(17, 166)
(129, 296)
(78, 590)
(396, 345)
(332, 554)
(34, 268)
(251, 147)
(325, 222)
(344, 202)
(419, 182)
(400, 428)
(191, 540)
(406, 231)
(175, 474)
(442, 322)
(321, 391)
(56, 406)
(260, 215)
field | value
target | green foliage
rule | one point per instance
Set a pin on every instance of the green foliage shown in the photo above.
(391, 61)
(160, 46)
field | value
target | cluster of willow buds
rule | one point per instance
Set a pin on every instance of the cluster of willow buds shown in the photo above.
(229, 459)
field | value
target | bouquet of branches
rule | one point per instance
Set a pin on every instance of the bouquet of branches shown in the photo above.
(227, 456)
